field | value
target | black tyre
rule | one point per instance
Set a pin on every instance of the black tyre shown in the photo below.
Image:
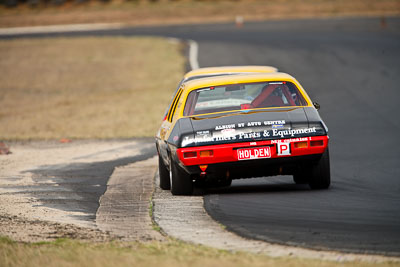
(164, 175)
(181, 182)
(320, 176)
(301, 178)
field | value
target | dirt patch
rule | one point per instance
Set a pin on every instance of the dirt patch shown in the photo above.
(25, 230)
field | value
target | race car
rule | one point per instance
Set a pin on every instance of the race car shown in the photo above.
(225, 127)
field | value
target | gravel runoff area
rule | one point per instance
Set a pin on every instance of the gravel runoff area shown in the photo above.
(50, 190)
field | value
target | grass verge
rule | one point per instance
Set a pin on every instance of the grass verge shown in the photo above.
(86, 87)
(65, 252)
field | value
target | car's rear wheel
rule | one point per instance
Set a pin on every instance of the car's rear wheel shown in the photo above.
(300, 178)
(164, 175)
(320, 175)
(181, 182)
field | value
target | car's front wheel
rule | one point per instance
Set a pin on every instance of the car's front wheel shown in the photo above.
(181, 182)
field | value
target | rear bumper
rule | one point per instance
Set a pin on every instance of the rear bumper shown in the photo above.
(224, 159)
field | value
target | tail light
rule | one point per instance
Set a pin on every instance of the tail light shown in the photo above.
(190, 154)
(300, 144)
(206, 153)
(317, 143)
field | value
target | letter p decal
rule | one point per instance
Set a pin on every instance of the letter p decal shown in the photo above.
(283, 149)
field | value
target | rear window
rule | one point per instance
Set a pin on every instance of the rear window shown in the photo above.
(243, 96)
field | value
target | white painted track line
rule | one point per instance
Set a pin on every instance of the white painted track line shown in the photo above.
(193, 54)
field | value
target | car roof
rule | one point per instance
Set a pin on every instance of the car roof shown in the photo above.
(226, 70)
(236, 79)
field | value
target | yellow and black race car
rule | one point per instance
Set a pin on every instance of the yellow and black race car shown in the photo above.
(241, 124)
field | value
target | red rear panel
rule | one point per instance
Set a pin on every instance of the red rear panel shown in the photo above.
(253, 150)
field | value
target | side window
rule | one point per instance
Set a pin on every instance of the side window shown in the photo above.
(178, 105)
(190, 103)
(174, 104)
(173, 97)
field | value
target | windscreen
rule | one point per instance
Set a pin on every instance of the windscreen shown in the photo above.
(243, 96)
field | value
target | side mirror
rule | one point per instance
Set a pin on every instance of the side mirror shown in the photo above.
(316, 105)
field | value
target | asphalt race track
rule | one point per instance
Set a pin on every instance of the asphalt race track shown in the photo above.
(349, 66)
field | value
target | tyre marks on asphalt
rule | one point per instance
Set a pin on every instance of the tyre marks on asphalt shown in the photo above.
(85, 181)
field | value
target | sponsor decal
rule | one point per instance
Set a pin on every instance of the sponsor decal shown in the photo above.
(254, 123)
(223, 127)
(202, 132)
(282, 122)
(203, 139)
(220, 103)
(291, 132)
(276, 124)
(254, 153)
(224, 138)
(229, 133)
(283, 149)
(290, 140)
(251, 135)
(277, 83)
